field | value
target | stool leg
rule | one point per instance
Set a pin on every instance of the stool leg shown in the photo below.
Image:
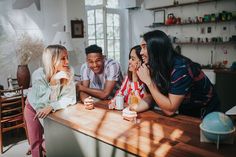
(1, 142)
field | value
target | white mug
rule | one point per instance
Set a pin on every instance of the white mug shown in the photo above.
(119, 102)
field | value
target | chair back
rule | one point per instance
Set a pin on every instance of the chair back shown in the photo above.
(13, 82)
(11, 111)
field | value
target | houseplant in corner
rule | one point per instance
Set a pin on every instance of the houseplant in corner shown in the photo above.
(27, 48)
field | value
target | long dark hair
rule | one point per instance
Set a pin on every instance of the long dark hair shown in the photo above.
(137, 49)
(161, 55)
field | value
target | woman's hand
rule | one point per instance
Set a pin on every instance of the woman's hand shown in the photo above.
(144, 74)
(43, 113)
(112, 104)
(89, 103)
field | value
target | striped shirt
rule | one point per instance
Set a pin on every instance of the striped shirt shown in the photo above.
(188, 79)
(112, 72)
(128, 86)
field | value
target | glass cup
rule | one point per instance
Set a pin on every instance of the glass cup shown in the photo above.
(119, 102)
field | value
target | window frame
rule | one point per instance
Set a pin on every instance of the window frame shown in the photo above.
(105, 11)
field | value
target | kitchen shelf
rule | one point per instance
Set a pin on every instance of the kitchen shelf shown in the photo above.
(182, 4)
(204, 43)
(182, 24)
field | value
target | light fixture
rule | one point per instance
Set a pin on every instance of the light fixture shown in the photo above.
(64, 39)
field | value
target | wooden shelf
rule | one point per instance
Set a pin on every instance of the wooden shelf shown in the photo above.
(182, 4)
(204, 43)
(182, 24)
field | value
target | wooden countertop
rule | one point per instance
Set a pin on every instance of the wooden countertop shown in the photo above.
(153, 135)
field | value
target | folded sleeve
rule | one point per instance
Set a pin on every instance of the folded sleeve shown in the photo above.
(67, 97)
(39, 94)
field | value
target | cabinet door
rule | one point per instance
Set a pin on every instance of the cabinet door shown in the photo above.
(226, 88)
(150, 4)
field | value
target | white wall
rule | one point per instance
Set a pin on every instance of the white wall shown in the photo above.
(43, 24)
(76, 10)
(199, 53)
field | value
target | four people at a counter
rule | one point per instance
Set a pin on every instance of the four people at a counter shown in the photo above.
(157, 75)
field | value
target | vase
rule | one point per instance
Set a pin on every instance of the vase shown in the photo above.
(23, 76)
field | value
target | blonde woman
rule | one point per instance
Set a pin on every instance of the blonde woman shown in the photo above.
(52, 89)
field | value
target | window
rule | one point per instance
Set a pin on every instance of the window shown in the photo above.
(104, 33)
(112, 4)
(95, 27)
(113, 36)
(93, 2)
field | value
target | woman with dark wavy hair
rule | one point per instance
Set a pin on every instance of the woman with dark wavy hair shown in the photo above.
(175, 82)
(131, 84)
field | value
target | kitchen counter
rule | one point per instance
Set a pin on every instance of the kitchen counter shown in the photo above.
(225, 71)
(220, 70)
(76, 131)
(224, 81)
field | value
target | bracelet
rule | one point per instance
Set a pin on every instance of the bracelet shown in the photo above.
(149, 83)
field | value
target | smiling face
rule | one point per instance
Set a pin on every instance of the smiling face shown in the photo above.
(95, 62)
(134, 61)
(64, 62)
(144, 52)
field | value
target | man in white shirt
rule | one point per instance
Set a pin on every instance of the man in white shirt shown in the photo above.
(101, 77)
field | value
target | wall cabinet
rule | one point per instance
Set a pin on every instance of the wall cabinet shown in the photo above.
(225, 87)
(130, 4)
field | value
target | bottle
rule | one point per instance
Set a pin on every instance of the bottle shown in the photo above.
(211, 64)
(10, 86)
(225, 60)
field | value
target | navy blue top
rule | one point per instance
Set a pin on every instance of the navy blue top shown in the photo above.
(188, 79)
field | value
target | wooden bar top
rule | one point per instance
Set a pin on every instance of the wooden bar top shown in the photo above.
(153, 135)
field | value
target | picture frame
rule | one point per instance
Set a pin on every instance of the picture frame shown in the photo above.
(77, 29)
(159, 17)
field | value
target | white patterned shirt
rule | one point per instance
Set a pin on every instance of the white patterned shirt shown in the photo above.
(111, 72)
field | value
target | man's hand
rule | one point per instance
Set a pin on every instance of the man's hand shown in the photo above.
(43, 113)
(80, 87)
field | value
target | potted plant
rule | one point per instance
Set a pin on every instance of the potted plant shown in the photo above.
(27, 49)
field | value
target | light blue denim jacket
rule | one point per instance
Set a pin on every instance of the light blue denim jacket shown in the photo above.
(39, 95)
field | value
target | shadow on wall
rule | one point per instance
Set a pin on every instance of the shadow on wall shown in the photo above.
(13, 23)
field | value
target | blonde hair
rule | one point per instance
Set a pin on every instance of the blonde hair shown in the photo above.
(51, 58)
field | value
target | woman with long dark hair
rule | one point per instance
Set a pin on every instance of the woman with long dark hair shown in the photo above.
(175, 82)
(131, 84)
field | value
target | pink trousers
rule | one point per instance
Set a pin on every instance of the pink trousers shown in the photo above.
(35, 131)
